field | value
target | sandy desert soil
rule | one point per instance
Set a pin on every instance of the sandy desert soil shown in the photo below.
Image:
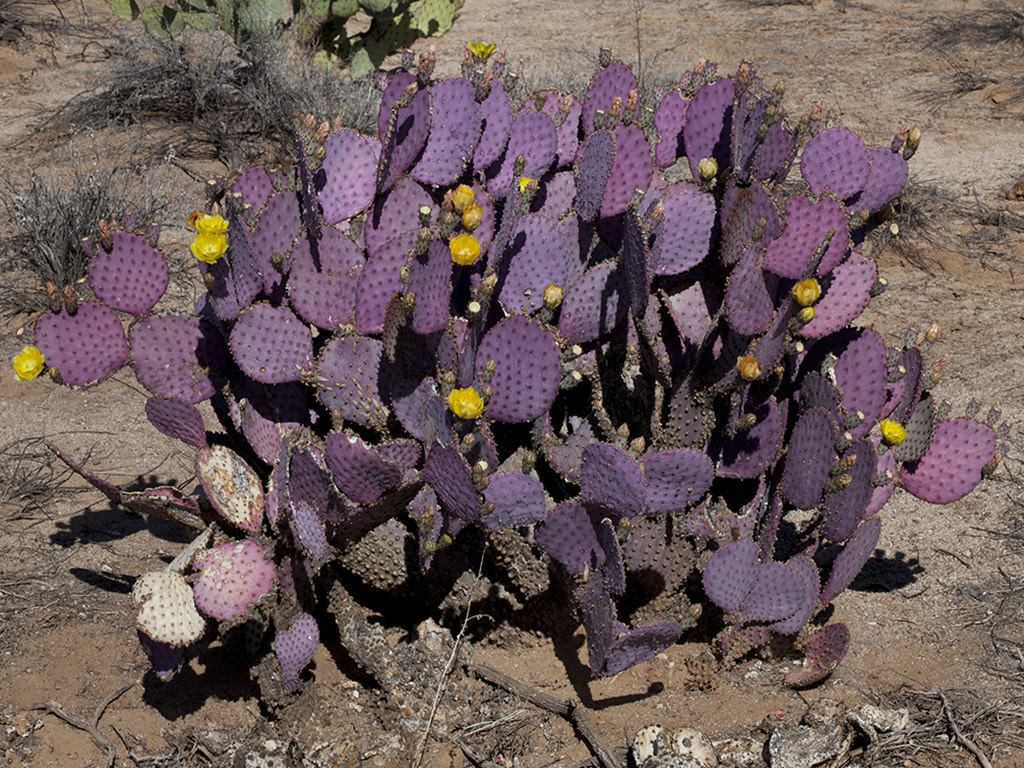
(939, 607)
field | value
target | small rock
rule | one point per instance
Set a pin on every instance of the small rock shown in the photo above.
(800, 746)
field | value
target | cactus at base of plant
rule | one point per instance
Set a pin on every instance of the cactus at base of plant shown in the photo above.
(617, 392)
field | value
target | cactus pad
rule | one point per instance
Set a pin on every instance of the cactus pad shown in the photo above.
(835, 160)
(527, 373)
(232, 486)
(165, 610)
(952, 466)
(176, 418)
(232, 577)
(294, 648)
(131, 275)
(84, 347)
(348, 176)
(177, 356)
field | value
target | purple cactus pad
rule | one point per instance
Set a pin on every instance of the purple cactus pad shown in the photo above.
(850, 561)
(610, 479)
(271, 344)
(347, 372)
(294, 648)
(454, 130)
(348, 177)
(567, 535)
(836, 161)
(613, 82)
(233, 576)
(176, 418)
(84, 347)
(533, 137)
(632, 169)
(403, 130)
(808, 459)
(824, 651)
(952, 467)
(845, 297)
(730, 573)
(528, 369)
(682, 241)
(359, 472)
(446, 471)
(675, 479)
(669, 118)
(513, 499)
(176, 356)
(496, 126)
(706, 130)
(130, 275)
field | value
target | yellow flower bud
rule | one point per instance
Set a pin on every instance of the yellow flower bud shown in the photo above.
(465, 249)
(806, 292)
(524, 183)
(28, 363)
(209, 247)
(466, 403)
(462, 197)
(913, 138)
(893, 432)
(471, 217)
(749, 368)
(707, 168)
(805, 315)
(480, 50)
(208, 223)
(552, 296)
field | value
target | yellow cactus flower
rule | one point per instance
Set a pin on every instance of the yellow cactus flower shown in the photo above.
(707, 168)
(28, 363)
(471, 217)
(209, 247)
(524, 183)
(208, 223)
(893, 432)
(462, 198)
(749, 368)
(806, 314)
(480, 50)
(466, 403)
(806, 292)
(465, 249)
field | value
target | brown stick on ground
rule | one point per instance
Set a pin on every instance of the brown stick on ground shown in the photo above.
(92, 728)
(572, 710)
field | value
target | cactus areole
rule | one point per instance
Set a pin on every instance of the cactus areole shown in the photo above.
(507, 325)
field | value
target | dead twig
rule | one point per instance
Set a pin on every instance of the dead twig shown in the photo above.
(442, 683)
(92, 727)
(570, 709)
(969, 745)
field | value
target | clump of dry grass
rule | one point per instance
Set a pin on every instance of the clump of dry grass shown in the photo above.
(998, 23)
(29, 481)
(212, 100)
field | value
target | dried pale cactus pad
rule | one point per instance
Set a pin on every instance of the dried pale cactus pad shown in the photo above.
(233, 576)
(165, 610)
(232, 486)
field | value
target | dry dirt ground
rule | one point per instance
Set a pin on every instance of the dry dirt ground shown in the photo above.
(939, 607)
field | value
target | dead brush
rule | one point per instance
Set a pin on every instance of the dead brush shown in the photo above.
(29, 482)
(208, 99)
(998, 23)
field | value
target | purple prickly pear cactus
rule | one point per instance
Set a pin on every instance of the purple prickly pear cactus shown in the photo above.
(517, 327)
